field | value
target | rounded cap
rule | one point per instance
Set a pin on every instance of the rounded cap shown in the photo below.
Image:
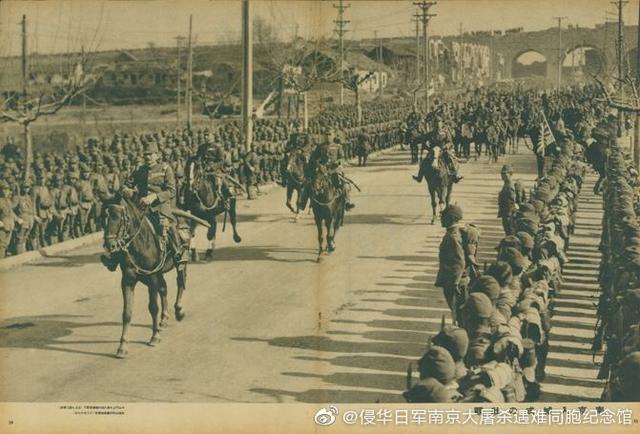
(487, 285)
(454, 339)
(437, 363)
(479, 305)
(453, 211)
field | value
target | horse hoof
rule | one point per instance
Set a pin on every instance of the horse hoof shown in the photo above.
(164, 323)
(209, 254)
(155, 340)
(319, 258)
(194, 255)
(180, 314)
(122, 353)
(236, 238)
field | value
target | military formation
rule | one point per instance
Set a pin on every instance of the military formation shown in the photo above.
(618, 326)
(64, 195)
(496, 348)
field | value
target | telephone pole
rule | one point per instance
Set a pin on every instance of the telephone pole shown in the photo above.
(24, 56)
(379, 50)
(636, 124)
(461, 65)
(247, 74)
(179, 42)
(426, 16)
(560, 51)
(417, 20)
(190, 78)
(341, 25)
(620, 59)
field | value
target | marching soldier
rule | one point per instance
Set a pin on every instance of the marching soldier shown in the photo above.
(452, 263)
(25, 209)
(87, 197)
(8, 218)
(507, 200)
(43, 203)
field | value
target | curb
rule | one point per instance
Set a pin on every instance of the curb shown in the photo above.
(65, 246)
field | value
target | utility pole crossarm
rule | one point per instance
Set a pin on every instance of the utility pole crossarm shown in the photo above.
(341, 30)
(426, 16)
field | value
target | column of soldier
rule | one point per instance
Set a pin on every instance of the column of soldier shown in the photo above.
(66, 200)
(497, 350)
(618, 327)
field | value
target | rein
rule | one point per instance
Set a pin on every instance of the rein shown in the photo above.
(123, 240)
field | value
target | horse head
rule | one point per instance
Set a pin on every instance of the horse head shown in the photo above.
(119, 214)
(321, 186)
(204, 189)
(436, 153)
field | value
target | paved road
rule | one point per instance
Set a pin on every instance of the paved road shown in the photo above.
(265, 322)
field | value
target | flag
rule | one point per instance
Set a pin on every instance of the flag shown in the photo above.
(546, 136)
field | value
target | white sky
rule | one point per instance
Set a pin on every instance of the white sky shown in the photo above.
(61, 25)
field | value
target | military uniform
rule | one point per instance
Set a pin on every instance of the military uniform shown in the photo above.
(328, 155)
(25, 209)
(7, 218)
(44, 214)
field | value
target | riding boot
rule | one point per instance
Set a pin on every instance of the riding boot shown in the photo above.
(348, 205)
(303, 198)
(176, 245)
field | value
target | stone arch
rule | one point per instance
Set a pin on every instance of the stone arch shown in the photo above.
(534, 66)
(581, 60)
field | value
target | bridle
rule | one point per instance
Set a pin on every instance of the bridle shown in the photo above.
(199, 179)
(122, 239)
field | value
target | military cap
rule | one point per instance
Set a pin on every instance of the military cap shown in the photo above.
(454, 339)
(509, 241)
(501, 272)
(513, 257)
(478, 305)
(437, 363)
(487, 285)
(150, 147)
(430, 390)
(453, 211)
(74, 175)
(526, 240)
(506, 169)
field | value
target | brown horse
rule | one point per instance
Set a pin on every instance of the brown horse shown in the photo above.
(328, 204)
(439, 183)
(206, 199)
(143, 257)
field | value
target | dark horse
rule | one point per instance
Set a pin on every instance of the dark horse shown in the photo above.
(328, 204)
(205, 199)
(130, 235)
(294, 179)
(596, 155)
(439, 183)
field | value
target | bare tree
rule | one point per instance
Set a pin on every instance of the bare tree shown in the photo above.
(351, 79)
(44, 94)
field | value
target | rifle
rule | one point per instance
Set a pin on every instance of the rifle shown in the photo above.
(350, 182)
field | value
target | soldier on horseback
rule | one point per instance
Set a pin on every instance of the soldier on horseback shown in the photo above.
(154, 184)
(329, 155)
(210, 159)
(443, 138)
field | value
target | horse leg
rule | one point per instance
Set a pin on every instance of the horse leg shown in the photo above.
(233, 218)
(331, 245)
(182, 285)
(320, 239)
(192, 242)
(211, 237)
(164, 307)
(127, 286)
(289, 195)
(154, 285)
(432, 193)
